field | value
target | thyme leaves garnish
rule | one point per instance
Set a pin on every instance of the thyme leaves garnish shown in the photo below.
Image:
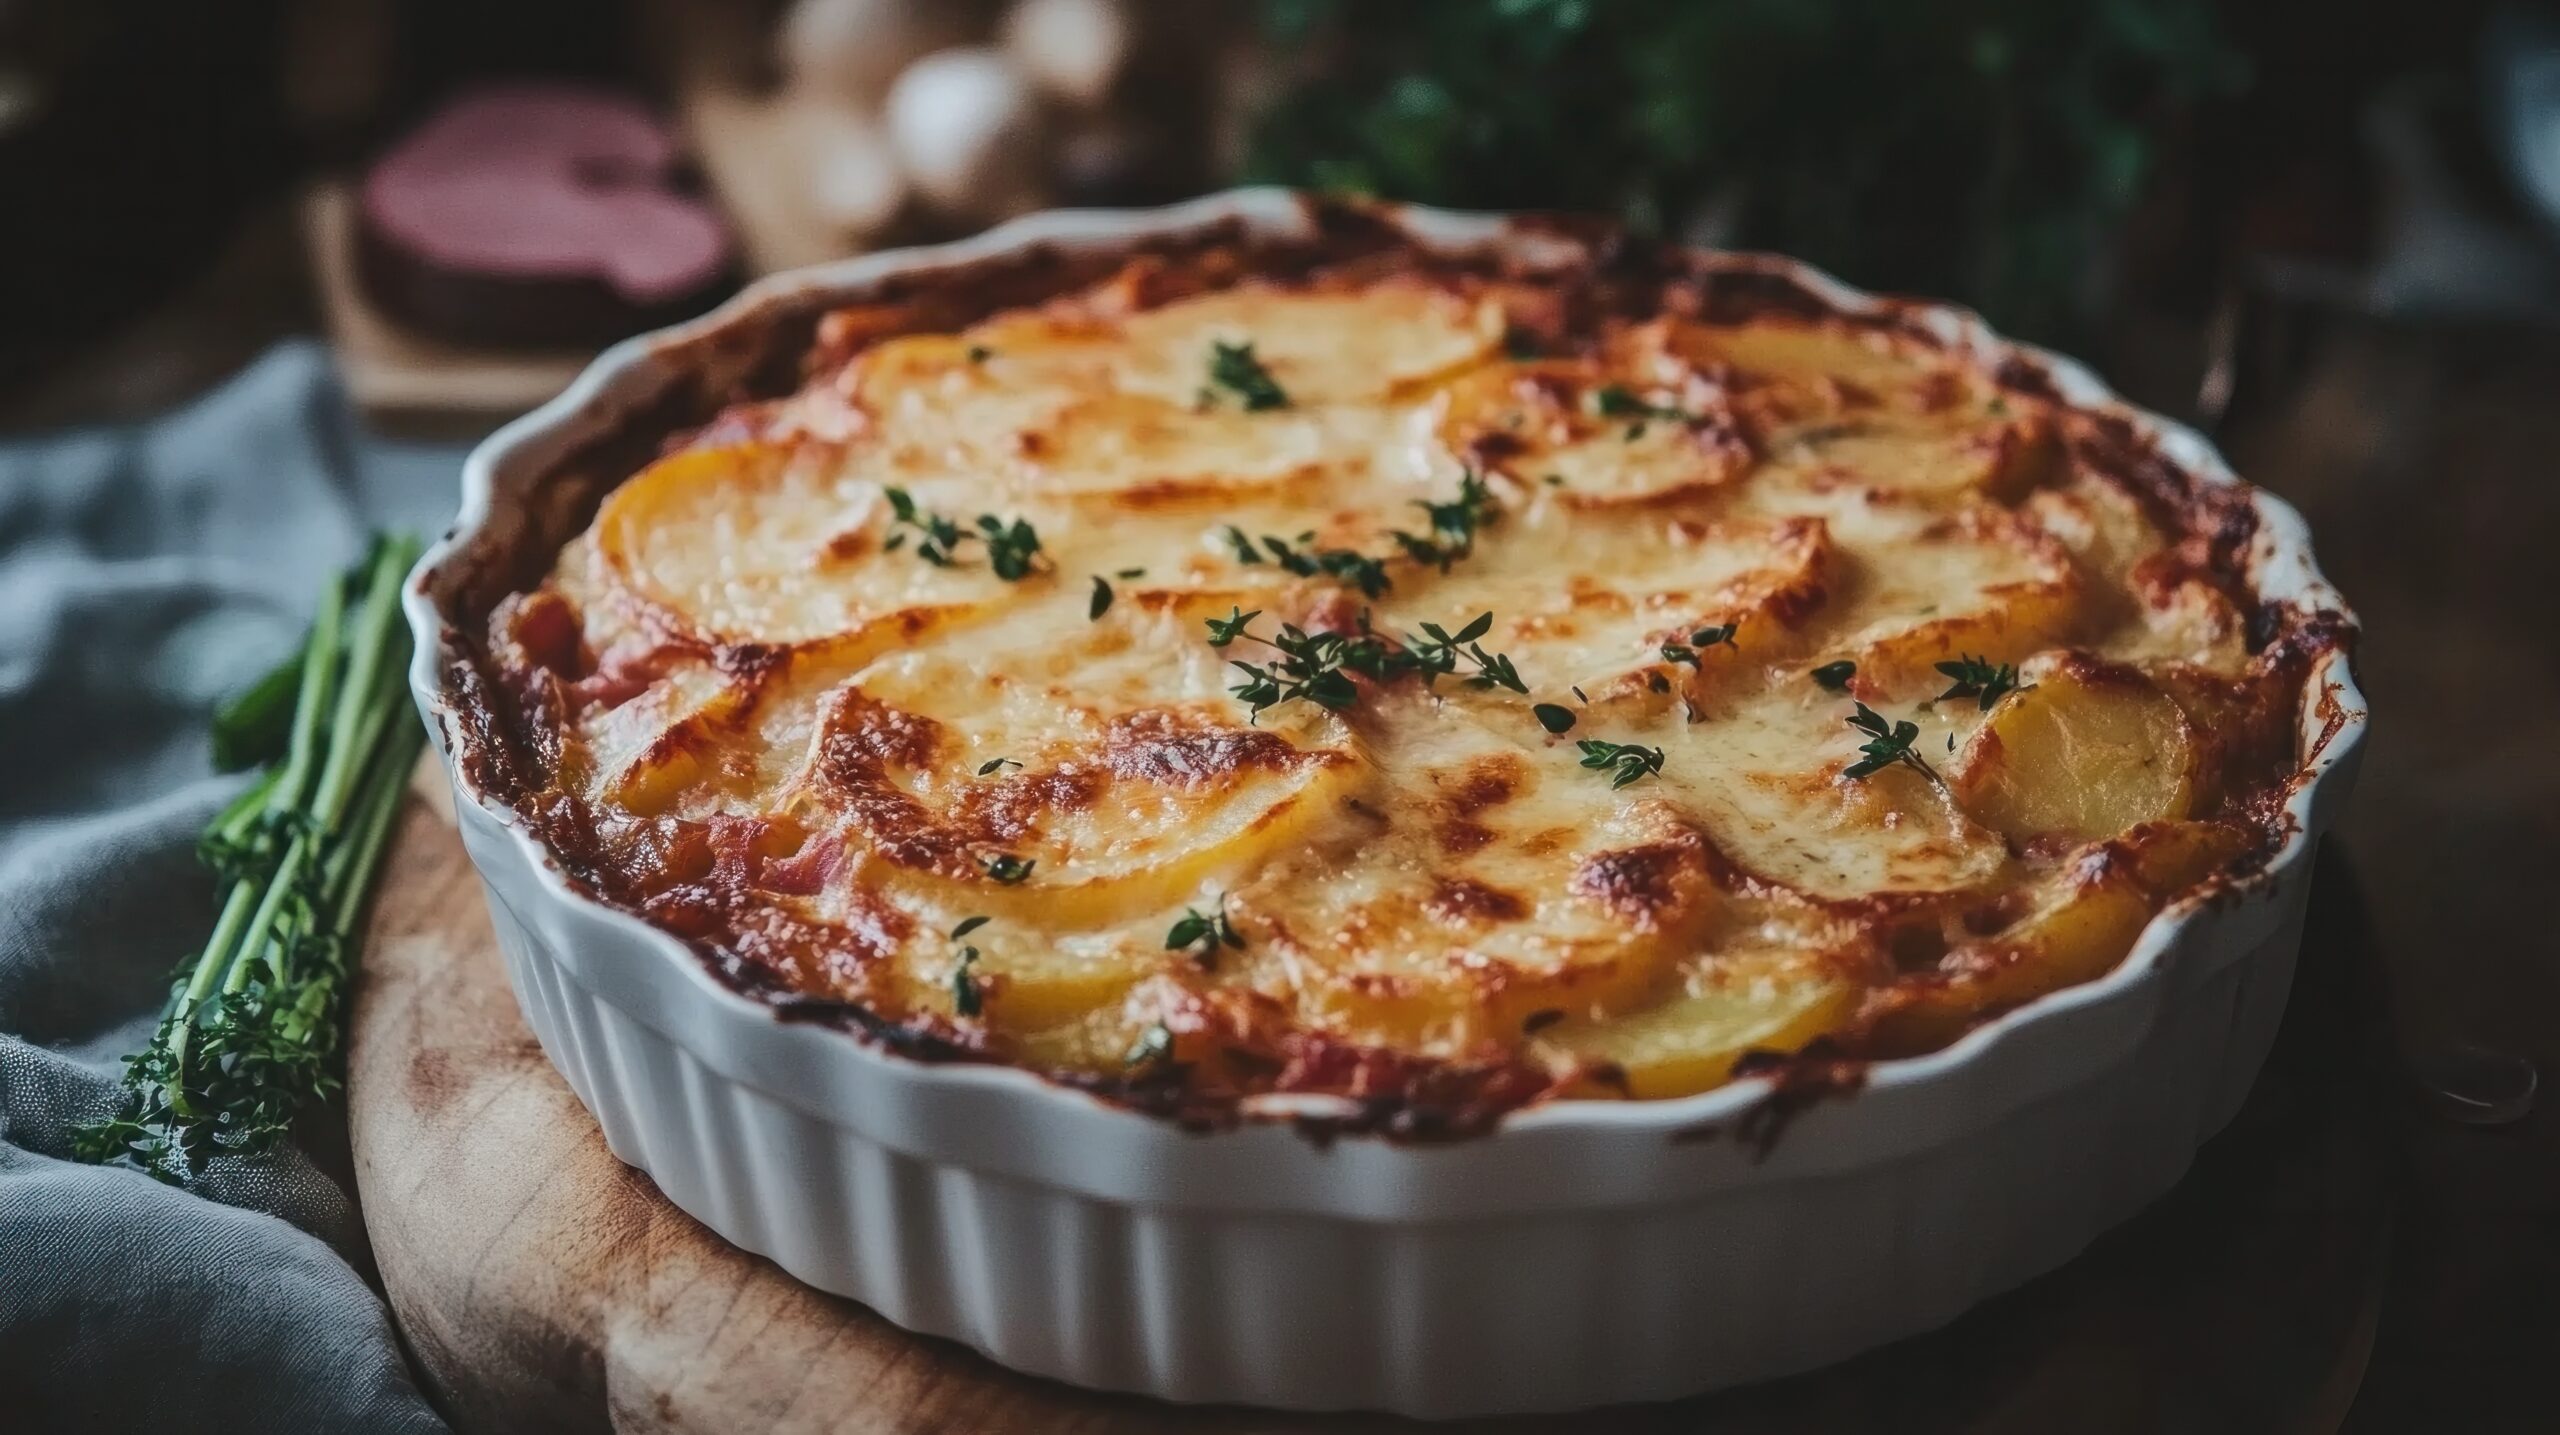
(1629, 762)
(1203, 933)
(1438, 652)
(1341, 564)
(1101, 601)
(1835, 676)
(1978, 678)
(1318, 666)
(966, 997)
(1235, 368)
(1453, 525)
(1556, 718)
(1699, 640)
(1008, 870)
(1887, 743)
(1452, 536)
(1617, 401)
(1013, 548)
(1223, 631)
(1314, 666)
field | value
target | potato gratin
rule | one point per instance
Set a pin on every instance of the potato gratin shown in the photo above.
(1424, 680)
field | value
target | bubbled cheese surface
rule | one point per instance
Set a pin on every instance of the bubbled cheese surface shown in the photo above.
(783, 700)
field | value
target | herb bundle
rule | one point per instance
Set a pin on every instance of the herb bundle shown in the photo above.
(252, 1029)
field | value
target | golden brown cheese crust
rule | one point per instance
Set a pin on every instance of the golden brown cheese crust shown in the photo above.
(873, 775)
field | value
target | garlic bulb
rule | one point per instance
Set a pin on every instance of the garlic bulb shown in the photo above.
(855, 183)
(853, 49)
(968, 129)
(1074, 49)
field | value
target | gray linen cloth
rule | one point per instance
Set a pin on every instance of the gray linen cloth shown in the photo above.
(145, 574)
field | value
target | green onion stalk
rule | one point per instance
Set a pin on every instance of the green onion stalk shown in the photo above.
(253, 1026)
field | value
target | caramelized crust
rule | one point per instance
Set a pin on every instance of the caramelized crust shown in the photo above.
(760, 702)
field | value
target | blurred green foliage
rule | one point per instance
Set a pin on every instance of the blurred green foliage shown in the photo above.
(1984, 150)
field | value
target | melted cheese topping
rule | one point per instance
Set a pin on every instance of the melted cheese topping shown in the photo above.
(979, 807)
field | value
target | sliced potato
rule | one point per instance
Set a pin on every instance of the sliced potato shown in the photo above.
(1836, 364)
(1318, 347)
(775, 545)
(1031, 981)
(2086, 751)
(1931, 456)
(1736, 1005)
(1816, 832)
(1601, 437)
(2083, 924)
(1593, 605)
(643, 753)
(1979, 582)
(1479, 890)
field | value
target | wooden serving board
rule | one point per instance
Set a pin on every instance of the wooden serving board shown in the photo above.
(543, 1285)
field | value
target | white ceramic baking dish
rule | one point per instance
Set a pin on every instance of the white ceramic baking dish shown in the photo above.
(1583, 1253)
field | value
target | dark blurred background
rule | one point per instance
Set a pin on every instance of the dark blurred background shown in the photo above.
(2084, 173)
(2326, 231)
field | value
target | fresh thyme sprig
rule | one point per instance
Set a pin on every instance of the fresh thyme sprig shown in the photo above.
(1307, 561)
(253, 1026)
(1617, 401)
(1978, 678)
(1234, 367)
(1314, 666)
(1203, 933)
(1887, 743)
(966, 997)
(1013, 549)
(1438, 653)
(1630, 762)
(1317, 666)
(1453, 525)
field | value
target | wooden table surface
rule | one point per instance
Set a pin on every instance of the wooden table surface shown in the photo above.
(2428, 461)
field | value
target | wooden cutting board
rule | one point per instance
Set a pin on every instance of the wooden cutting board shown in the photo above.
(543, 1285)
